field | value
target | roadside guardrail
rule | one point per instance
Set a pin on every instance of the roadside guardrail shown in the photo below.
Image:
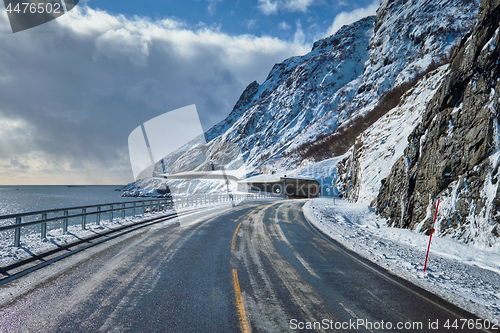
(81, 214)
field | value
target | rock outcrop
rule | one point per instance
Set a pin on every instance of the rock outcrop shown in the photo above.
(454, 153)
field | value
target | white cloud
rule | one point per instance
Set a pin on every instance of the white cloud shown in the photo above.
(268, 7)
(212, 4)
(71, 96)
(299, 36)
(345, 18)
(251, 24)
(284, 26)
(120, 43)
(298, 5)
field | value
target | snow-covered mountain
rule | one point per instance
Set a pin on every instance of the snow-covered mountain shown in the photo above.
(296, 93)
(306, 98)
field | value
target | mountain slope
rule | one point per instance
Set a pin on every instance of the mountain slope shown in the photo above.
(297, 92)
(454, 153)
(382, 144)
(306, 98)
(409, 36)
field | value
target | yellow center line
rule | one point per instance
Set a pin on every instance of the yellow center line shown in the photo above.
(233, 244)
(245, 327)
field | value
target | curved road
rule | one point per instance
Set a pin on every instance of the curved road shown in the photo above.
(259, 267)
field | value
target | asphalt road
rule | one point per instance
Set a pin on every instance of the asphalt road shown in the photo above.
(258, 267)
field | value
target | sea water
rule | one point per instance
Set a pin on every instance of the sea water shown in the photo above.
(21, 199)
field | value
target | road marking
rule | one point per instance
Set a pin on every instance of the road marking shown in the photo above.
(233, 244)
(245, 327)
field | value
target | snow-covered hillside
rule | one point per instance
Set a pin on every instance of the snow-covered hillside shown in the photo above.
(408, 37)
(297, 92)
(343, 76)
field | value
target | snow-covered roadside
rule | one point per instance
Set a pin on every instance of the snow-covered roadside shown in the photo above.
(464, 275)
(32, 245)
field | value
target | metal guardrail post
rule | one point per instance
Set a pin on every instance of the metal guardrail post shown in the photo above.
(65, 222)
(98, 217)
(84, 218)
(17, 234)
(143, 208)
(133, 210)
(111, 213)
(123, 211)
(43, 227)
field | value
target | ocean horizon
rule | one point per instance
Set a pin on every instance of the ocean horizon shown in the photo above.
(28, 198)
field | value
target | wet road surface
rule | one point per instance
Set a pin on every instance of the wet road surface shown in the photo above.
(259, 266)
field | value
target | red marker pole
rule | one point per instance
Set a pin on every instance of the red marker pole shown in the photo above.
(430, 238)
(312, 199)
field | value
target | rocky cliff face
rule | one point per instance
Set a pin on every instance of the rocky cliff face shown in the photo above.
(454, 153)
(377, 149)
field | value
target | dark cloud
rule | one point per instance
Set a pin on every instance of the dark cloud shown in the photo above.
(70, 97)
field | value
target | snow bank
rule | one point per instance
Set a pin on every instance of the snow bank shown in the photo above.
(465, 276)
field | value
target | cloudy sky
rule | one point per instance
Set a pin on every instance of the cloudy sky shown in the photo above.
(73, 89)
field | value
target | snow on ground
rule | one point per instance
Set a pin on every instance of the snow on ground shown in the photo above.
(324, 172)
(465, 276)
(31, 244)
